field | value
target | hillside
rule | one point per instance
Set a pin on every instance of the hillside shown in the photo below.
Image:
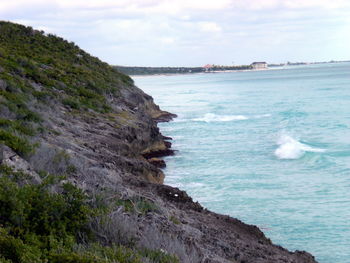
(80, 178)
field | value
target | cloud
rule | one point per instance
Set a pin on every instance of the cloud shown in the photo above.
(209, 27)
(290, 4)
(174, 32)
(167, 40)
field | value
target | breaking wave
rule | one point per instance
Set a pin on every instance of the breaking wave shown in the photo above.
(211, 117)
(290, 148)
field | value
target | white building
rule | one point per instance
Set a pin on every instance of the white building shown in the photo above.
(259, 65)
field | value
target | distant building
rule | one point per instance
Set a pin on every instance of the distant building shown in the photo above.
(259, 65)
(208, 67)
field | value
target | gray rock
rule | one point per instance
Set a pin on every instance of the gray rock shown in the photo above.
(1, 153)
(3, 84)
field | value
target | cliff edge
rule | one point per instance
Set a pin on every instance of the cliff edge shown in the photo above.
(67, 116)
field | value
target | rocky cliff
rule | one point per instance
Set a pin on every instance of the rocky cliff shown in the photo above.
(66, 114)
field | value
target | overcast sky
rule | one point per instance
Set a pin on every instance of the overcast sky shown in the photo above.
(193, 32)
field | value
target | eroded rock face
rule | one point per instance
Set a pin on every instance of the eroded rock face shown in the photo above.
(157, 162)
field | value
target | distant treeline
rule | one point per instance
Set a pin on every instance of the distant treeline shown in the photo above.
(176, 70)
(306, 63)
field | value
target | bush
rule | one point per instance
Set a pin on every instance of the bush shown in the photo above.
(38, 225)
(20, 126)
(33, 209)
(71, 102)
(19, 144)
(138, 205)
(35, 222)
(159, 256)
(14, 250)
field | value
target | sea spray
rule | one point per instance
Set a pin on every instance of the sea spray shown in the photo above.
(290, 148)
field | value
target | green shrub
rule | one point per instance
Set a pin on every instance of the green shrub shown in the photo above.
(38, 225)
(20, 126)
(33, 209)
(175, 220)
(14, 250)
(159, 256)
(15, 101)
(71, 102)
(71, 169)
(43, 95)
(19, 144)
(137, 205)
(35, 222)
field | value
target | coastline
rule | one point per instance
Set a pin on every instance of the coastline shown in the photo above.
(248, 242)
(285, 67)
(202, 73)
(305, 257)
(102, 141)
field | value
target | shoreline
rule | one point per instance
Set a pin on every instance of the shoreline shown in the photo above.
(286, 67)
(250, 241)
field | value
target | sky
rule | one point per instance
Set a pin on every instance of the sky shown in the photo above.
(193, 32)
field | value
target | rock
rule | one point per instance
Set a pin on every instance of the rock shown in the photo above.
(164, 116)
(160, 153)
(9, 158)
(157, 162)
(3, 84)
(1, 153)
(158, 149)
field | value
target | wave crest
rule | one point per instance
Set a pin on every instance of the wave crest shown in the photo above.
(211, 117)
(290, 148)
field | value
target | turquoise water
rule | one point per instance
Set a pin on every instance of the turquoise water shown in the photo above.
(271, 148)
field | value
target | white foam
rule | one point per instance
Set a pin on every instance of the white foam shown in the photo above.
(290, 148)
(211, 117)
(262, 116)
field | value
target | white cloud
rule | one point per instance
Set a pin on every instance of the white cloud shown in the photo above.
(171, 29)
(171, 7)
(209, 27)
(167, 40)
(293, 4)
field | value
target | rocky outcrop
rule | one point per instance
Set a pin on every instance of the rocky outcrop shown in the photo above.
(157, 162)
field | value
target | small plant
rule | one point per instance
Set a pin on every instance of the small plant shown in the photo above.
(159, 256)
(71, 169)
(19, 144)
(138, 205)
(175, 220)
(61, 156)
(72, 103)
(22, 127)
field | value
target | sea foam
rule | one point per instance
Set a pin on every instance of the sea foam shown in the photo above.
(290, 148)
(211, 117)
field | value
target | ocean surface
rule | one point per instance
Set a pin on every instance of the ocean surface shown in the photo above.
(271, 148)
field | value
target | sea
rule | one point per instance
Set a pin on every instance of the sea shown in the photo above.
(269, 147)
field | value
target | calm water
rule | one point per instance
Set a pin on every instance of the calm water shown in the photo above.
(271, 148)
